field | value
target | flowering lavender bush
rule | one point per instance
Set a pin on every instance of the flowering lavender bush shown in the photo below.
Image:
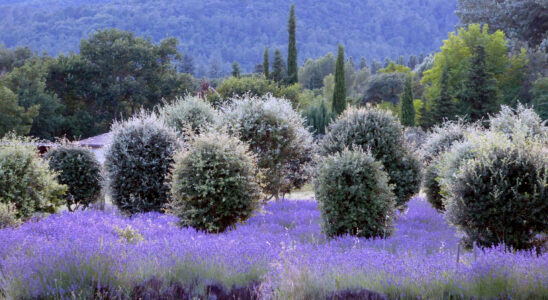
(280, 253)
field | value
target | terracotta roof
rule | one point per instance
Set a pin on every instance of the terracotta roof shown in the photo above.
(97, 141)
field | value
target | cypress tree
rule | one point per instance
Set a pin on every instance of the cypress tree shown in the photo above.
(407, 115)
(443, 107)
(413, 61)
(292, 68)
(236, 69)
(266, 64)
(278, 67)
(363, 63)
(479, 95)
(339, 92)
(424, 121)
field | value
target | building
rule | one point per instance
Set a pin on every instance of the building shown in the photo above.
(97, 144)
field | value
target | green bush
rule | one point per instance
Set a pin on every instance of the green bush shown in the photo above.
(256, 87)
(8, 215)
(215, 184)
(26, 180)
(444, 168)
(137, 162)
(431, 186)
(440, 138)
(188, 113)
(519, 123)
(499, 197)
(382, 133)
(79, 170)
(275, 132)
(354, 196)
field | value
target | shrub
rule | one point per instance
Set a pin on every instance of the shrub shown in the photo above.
(354, 196)
(215, 184)
(445, 167)
(381, 132)
(79, 170)
(188, 113)
(441, 138)
(414, 137)
(8, 216)
(275, 132)
(431, 186)
(137, 162)
(256, 87)
(26, 180)
(522, 122)
(499, 197)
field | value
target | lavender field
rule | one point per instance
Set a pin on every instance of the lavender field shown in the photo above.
(280, 253)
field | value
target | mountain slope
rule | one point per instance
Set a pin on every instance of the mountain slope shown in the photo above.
(223, 31)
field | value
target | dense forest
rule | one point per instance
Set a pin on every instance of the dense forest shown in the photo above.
(490, 59)
(216, 33)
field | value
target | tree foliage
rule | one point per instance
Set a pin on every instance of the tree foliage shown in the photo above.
(525, 20)
(115, 75)
(12, 116)
(456, 55)
(221, 30)
(407, 116)
(292, 67)
(339, 93)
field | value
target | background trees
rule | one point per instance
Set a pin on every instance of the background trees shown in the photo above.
(233, 30)
(115, 74)
(523, 20)
(503, 71)
(339, 93)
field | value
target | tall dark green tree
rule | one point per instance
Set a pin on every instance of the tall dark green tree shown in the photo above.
(407, 115)
(363, 63)
(424, 121)
(278, 67)
(115, 74)
(236, 69)
(339, 92)
(292, 67)
(479, 94)
(443, 107)
(266, 63)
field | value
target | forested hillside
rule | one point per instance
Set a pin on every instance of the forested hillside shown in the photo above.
(219, 32)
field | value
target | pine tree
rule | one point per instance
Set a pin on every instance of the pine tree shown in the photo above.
(339, 92)
(278, 67)
(266, 64)
(424, 121)
(443, 107)
(363, 63)
(375, 66)
(479, 95)
(258, 69)
(413, 61)
(236, 69)
(407, 115)
(401, 60)
(292, 67)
